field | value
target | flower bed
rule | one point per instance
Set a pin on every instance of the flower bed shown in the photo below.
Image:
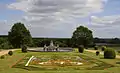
(58, 62)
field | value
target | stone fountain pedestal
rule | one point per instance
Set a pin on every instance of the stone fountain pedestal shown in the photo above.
(51, 47)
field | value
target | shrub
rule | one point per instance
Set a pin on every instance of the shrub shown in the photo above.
(97, 53)
(81, 48)
(103, 48)
(109, 54)
(118, 51)
(96, 47)
(2, 57)
(86, 47)
(24, 49)
(10, 53)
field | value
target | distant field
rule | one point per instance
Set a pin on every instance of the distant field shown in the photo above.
(92, 63)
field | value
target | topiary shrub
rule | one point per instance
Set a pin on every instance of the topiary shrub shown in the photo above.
(97, 53)
(2, 57)
(118, 51)
(10, 53)
(24, 48)
(103, 48)
(81, 48)
(96, 47)
(109, 54)
(86, 47)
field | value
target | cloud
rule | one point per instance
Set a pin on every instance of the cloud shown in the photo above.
(105, 26)
(56, 15)
(106, 20)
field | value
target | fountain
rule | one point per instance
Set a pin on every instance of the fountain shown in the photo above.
(51, 47)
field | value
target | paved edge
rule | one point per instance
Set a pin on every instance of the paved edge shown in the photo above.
(3, 52)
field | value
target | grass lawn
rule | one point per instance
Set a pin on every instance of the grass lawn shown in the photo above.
(91, 63)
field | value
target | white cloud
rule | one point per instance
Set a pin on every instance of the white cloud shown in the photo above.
(95, 5)
(105, 26)
(56, 15)
(106, 20)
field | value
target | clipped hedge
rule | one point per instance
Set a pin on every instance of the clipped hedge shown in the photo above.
(103, 48)
(118, 51)
(10, 53)
(97, 53)
(2, 57)
(96, 48)
(24, 48)
(81, 48)
(109, 54)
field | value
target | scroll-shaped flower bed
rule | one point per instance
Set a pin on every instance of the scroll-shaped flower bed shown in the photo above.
(56, 62)
(60, 63)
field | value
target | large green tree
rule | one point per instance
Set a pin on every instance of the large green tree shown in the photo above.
(82, 36)
(19, 35)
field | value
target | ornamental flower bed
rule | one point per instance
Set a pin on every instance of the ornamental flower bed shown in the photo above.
(55, 62)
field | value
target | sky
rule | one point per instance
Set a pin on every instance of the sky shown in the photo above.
(59, 18)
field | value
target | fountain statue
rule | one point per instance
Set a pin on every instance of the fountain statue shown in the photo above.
(45, 47)
(51, 43)
(51, 47)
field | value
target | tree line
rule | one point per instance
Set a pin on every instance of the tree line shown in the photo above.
(19, 36)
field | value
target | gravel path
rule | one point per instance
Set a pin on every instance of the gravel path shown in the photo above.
(3, 52)
(94, 51)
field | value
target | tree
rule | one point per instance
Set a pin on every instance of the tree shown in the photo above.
(19, 35)
(82, 36)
